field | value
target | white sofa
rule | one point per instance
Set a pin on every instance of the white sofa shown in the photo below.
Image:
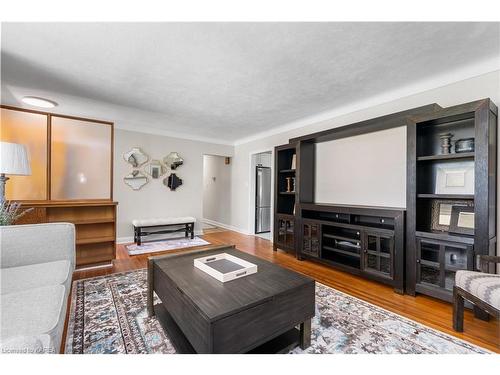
(37, 264)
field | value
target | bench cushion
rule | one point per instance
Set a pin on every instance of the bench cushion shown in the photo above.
(163, 221)
(484, 286)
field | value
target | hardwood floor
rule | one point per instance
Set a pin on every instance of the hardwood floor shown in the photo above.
(423, 309)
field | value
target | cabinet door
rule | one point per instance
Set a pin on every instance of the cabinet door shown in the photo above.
(81, 153)
(30, 130)
(437, 262)
(378, 254)
(310, 238)
(290, 233)
(285, 229)
(281, 231)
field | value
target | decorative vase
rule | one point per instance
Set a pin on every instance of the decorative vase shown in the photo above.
(445, 142)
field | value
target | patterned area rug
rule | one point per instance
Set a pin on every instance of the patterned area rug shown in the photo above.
(108, 315)
(166, 245)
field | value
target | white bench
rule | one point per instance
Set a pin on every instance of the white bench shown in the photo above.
(146, 227)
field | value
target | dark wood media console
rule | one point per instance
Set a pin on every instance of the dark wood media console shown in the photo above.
(367, 241)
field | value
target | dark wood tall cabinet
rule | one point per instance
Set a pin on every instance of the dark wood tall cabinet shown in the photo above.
(437, 181)
(285, 191)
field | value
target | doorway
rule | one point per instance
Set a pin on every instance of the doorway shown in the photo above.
(261, 163)
(216, 190)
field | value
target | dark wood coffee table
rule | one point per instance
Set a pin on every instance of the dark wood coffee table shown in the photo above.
(258, 313)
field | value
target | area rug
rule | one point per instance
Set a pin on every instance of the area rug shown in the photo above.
(166, 245)
(108, 315)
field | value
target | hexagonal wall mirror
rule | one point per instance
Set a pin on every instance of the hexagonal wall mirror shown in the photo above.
(172, 181)
(136, 180)
(155, 169)
(173, 160)
(135, 157)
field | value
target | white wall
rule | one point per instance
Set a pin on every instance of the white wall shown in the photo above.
(216, 189)
(154, 199)
(483, 86)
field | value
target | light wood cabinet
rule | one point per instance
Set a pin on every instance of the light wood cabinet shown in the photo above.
(95, 225)
(72, 177)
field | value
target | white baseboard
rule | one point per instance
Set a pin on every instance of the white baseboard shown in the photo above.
(122, 240)
(226, 226)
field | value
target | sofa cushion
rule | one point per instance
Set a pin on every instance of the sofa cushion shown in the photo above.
(484, 286)
(16, 279)
(27, 345)
(33, 312)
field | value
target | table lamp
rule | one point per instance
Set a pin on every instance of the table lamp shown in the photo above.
(14, 161)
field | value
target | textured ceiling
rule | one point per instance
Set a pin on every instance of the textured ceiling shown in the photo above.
(228, 81)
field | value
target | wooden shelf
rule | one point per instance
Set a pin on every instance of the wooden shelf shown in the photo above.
(287, 171)
(85, 241)
(343, 252)
(287, 192)
(445, 236)
(93, 221)
(446, 196)
(327, 235)
(460, 155)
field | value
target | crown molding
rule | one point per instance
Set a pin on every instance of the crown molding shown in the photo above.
(441, 80)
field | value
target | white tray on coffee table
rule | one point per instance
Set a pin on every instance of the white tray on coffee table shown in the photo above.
(225, 267)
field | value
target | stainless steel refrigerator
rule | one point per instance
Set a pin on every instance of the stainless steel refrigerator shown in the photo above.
(263, 200)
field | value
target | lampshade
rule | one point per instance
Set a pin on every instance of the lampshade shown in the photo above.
(14, 160)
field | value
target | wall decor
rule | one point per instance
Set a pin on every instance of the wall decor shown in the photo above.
(172, 181)
(445, 142)
(456, 178)
(173, 160)
(136, 180)
(464, 145)
(135, 157)
(462, 220)
(441, 211)
(155, 169)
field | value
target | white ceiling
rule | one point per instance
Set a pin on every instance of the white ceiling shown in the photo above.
(228, 81)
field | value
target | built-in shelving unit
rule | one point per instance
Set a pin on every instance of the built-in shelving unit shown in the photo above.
(434, 255)
(285, 199)
(367, 241)
(95, 226)
(370, 241)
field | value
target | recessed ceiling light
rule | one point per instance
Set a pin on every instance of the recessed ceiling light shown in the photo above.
(38, 102)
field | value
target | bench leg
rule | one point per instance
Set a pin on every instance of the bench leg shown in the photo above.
(138, 236)
(458, 311)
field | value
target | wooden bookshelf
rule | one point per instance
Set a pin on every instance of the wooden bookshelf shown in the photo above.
(433, 256)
